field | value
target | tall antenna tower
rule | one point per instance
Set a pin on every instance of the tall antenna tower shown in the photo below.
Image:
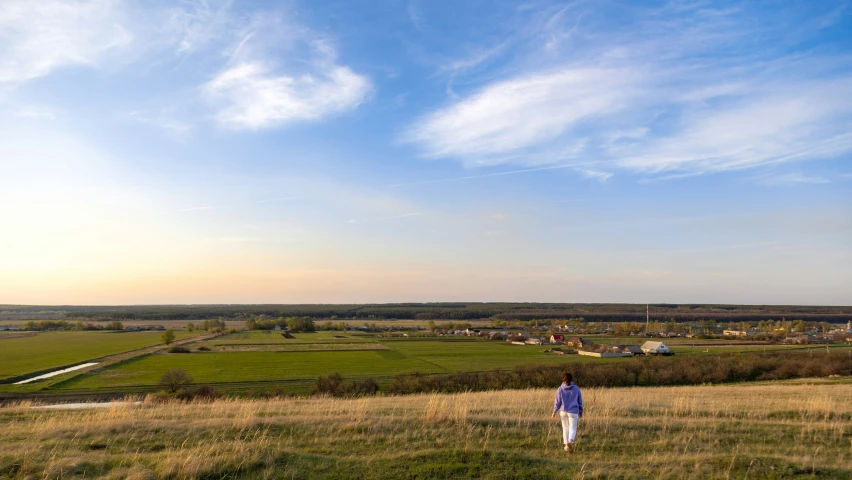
(647, 318)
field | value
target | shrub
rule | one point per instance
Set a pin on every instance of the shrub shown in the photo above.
(335, 385)
(204, 348)
(177, 349)
(206, 391)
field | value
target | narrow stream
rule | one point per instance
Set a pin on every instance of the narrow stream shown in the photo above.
(53, 374)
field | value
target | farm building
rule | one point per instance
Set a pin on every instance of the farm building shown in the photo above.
(534, 341)
(577, 342)
(735, 333)
(634, 349)
(655, 348)
(557, 338)
(607, 352)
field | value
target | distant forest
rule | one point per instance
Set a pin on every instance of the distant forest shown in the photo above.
(590, 312)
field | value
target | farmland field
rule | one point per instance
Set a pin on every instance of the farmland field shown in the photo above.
(47, 350)
(252, 367)
(258, 357)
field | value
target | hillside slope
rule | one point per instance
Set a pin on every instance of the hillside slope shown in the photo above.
(770, 430)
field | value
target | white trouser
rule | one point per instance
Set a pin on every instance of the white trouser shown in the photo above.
(569, 426)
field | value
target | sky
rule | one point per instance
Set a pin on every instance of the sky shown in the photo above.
(214, 151)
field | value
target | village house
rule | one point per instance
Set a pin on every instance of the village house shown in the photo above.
(557, 338)
(577, 342)
(533, 341)
(735, 333)
(634, 349)
(655, 348)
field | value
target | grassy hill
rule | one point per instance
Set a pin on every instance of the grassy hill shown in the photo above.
(794, 429)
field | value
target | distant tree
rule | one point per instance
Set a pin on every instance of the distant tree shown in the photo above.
(309, 324)
(295, 324)
(114, 326)
(190, 327)
(168, 337)
(251, 324)
(175, 379)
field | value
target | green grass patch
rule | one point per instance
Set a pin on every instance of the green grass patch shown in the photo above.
(232, 367)
(51, 350)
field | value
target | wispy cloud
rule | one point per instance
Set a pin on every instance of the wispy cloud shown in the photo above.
(514, 115)
(495, 174)
(391, 217)
(790, 179)
(38, 37)
(414, 14)
(194, 209)
(663, 91)
(275, 78)
(196, 23)
(595, 174)
(273, 200)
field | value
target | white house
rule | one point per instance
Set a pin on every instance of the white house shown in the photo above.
(655, 347)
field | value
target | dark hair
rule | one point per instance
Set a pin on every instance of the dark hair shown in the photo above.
(567, 377)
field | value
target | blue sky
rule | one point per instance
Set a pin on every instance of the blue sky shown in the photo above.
(207, 151)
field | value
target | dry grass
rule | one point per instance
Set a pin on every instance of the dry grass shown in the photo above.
(780, 430)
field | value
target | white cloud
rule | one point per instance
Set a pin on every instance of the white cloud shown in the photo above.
(40, 36)
(252, 95)
(595, 174)
(511, 116)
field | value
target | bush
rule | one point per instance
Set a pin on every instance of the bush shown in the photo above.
(206, 391)
(202, 392)
(203, 348)
(336, 386)
(177, 349)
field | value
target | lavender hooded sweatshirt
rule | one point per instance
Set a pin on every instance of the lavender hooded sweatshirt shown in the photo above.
(568, 399)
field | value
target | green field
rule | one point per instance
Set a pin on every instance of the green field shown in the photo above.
(272, 337)
(264, 365)
(20, 355)
(251, 367)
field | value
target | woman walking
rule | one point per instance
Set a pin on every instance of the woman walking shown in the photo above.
(569, 404)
